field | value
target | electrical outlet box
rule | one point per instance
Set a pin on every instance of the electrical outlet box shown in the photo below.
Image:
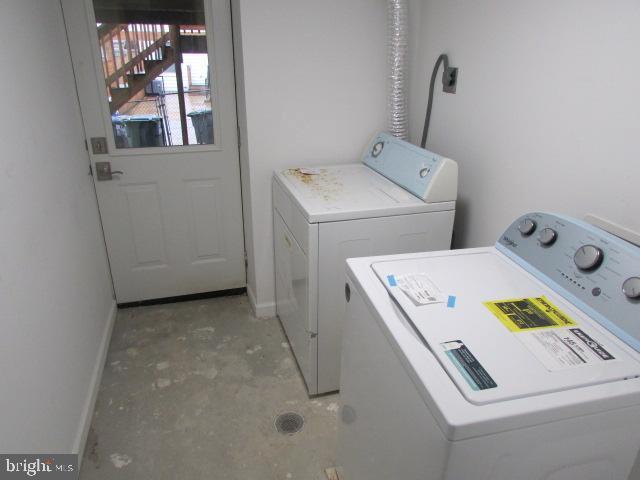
(449, 79)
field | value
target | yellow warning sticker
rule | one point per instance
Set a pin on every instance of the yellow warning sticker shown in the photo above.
(527, 314)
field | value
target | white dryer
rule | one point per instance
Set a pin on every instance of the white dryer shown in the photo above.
(401, 198)
(514, 362)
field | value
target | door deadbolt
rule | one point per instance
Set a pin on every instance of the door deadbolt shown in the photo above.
(99, 145)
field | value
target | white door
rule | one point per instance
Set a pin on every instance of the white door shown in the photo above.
(157, 85)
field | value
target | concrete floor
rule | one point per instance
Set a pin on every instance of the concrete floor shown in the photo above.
(190, 390)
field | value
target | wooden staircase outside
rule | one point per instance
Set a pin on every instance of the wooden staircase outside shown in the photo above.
(133, 55)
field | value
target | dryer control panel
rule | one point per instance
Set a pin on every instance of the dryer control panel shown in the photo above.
(427, 175)
(597, 271)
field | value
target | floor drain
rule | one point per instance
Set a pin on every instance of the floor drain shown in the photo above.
(289, 423)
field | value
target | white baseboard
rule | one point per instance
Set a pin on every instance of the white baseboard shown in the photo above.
(96, 377)
(261, 310)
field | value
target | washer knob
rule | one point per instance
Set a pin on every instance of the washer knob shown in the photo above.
(631, 287)
(527, 227)
(588, 257)
(547, 236)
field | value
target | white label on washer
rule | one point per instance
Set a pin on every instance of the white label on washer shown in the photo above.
(419, 288)
(562, 348)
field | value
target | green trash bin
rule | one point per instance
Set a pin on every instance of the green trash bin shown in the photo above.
(141, 131)
(119, 131)
(202, 121)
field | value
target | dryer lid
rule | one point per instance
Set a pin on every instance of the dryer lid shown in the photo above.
(500, 333)
(351, 191)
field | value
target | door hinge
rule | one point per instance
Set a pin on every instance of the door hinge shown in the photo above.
(86, 145)
(239, 140)
(90, 168)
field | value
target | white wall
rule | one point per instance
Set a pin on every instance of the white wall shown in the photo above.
(245, 170)
(313, 75)
(547, 112)
(55, 292)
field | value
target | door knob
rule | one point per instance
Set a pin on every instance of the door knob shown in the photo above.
(104, 172)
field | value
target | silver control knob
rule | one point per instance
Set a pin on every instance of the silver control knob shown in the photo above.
(547, 236)
(588, 257)
(527, 227)
(631, 287)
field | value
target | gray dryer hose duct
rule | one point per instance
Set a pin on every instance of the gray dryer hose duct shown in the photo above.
(398, 48)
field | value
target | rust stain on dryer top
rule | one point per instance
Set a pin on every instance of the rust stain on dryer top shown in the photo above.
(323, 184)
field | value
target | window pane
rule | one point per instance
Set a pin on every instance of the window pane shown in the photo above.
(156, 71)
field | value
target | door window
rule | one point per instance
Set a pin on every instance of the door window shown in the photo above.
(155, 66)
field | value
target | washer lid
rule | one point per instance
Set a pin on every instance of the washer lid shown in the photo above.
(498, 332)
(346, 192)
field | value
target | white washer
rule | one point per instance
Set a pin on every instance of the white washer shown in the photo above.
(400, 199)
(541, 383)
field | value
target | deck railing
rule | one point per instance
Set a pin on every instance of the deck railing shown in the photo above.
(125, 47)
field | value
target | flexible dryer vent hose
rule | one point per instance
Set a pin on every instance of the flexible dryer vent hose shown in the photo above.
(398, 47)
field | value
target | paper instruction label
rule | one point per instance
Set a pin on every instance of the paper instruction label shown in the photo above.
(419, 288)
(559, 349)
(468, 365)
(527, 314)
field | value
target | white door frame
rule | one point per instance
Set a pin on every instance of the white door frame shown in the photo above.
(97, 119)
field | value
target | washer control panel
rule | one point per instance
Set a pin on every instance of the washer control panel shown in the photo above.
(597, 271)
